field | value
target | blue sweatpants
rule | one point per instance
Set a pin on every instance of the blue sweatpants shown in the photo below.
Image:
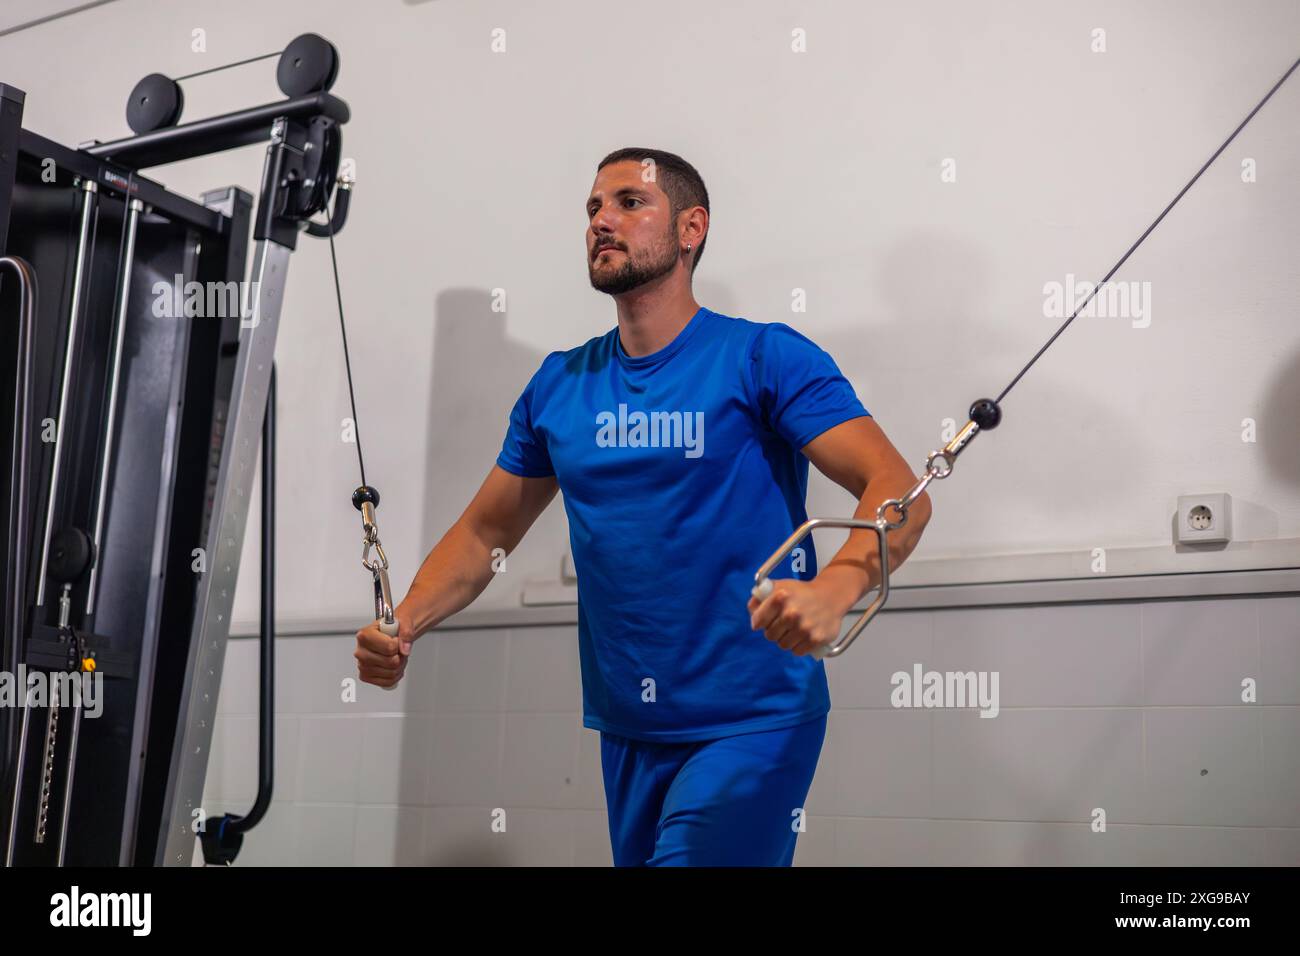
(734, 801)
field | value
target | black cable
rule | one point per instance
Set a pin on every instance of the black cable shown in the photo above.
(218, 69)
(1133, 248)
(18, 27)
(338, 292)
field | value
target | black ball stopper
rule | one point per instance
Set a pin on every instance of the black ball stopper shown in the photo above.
(363, 494)
(986, 413)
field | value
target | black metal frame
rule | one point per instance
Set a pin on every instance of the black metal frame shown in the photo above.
(218, 133)
(126, 773)
(15, 483)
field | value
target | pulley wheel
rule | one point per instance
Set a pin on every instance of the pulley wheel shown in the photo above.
(71, 553)
(155, 103)
(309, 64)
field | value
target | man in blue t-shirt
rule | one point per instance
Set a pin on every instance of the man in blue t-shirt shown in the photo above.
(680, 440)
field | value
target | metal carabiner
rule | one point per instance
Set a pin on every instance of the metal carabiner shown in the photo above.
(985, 415)
(366, 499)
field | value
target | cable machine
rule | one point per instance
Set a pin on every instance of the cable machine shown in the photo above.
(132, 434)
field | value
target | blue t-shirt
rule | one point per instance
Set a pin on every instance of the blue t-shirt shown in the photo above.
(681, 473)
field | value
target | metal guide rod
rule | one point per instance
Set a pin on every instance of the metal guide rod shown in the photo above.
(89, 189)
(134, 208)
(68, 776)
(23, 373)
(16, 796)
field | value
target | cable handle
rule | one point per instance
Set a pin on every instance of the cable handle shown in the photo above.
(389, 627)
(366, 499)
(763, 586)
(985, 414)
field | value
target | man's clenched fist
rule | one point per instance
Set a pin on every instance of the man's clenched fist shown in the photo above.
(381, 660)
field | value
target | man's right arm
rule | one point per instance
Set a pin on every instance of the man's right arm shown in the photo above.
(460, 566)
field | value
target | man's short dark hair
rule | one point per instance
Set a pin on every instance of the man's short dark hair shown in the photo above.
(675, 176)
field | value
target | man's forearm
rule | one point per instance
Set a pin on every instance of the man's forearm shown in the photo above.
(855, 569)
(456, 572)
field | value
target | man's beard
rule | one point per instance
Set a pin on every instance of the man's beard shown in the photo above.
(633, 272)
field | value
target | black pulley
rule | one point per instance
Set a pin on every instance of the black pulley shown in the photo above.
(320, 167)
(155, 103)
(71, 554)
(309, 64)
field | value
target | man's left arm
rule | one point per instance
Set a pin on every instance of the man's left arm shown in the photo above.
(855, 454)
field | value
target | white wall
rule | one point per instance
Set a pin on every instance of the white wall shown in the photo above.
(1133, 707)
(824, 170)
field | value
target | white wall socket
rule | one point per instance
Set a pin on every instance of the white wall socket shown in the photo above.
(1203, 519)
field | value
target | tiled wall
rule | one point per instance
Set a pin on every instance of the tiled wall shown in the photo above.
(1131, 707)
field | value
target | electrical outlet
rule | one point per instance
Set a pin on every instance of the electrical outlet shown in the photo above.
(1203, 519)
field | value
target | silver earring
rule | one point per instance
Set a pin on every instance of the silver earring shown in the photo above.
(688, 247)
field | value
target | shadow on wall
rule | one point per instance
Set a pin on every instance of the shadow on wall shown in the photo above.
(1276, 427)
(935, 287)
(478, 374)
